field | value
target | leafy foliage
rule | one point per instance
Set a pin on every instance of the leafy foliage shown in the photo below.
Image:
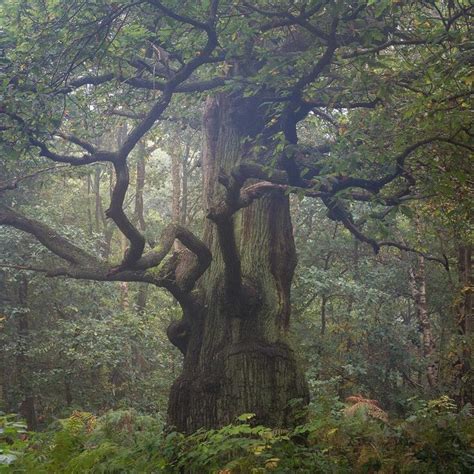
(12, 438)
(433, 438)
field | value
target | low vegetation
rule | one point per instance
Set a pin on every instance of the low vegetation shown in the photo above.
(432, 438)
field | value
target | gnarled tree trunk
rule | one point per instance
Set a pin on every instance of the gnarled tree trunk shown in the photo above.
(234, 335)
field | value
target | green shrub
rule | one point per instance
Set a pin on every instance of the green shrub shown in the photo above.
(433, 438)
(12, 439)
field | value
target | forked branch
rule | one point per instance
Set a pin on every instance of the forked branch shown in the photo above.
(184, 279)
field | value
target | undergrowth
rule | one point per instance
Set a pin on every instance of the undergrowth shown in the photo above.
(434, 438)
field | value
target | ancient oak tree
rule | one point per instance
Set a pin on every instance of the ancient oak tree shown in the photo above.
(324, 99)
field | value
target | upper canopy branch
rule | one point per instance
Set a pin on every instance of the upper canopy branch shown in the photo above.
(115, 211)
(86, 159)
(13, 183)
(93, 155)
(321, 64)
(376, 185)
(338, 212)
(91, 149)
(138, 82)
(184, 73)
(206, 26)
(286, 18)
(118, 158)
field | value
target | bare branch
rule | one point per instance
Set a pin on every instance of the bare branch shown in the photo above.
(405, 248)
(30, 268)
(371, 104)
(101, 272)
(87, 80)
(337, 212)
(96, 156)
(382, 47)
(197, 86)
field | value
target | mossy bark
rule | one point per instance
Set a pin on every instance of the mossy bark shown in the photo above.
(237, 355)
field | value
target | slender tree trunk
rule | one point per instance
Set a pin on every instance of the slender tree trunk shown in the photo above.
(324, 298)
(140, 216)
(176, 185)
(27, 407)
(237, 355)
(176, 189)
(184, 186)
(67, 390)
(101, 224)
(418, 288)
(324, 301)
(4, 369)
(124, 287)
(140, 184)
(356, 271)
(90, 223)
(98, 201)
(465, 323)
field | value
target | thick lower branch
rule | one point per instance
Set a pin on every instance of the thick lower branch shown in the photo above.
(46, 235)
(81, 265)
(99, 271)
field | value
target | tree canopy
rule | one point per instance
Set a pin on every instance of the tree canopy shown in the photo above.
(386, 84)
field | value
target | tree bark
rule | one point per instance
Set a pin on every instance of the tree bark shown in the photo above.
(184, 186)
(418, 288)
(465, 324)
(176, 185)
(237, 355)
(465, 321)
(27, 407)
(142, 292)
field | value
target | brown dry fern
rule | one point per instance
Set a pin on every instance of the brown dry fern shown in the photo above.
(370, 407)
